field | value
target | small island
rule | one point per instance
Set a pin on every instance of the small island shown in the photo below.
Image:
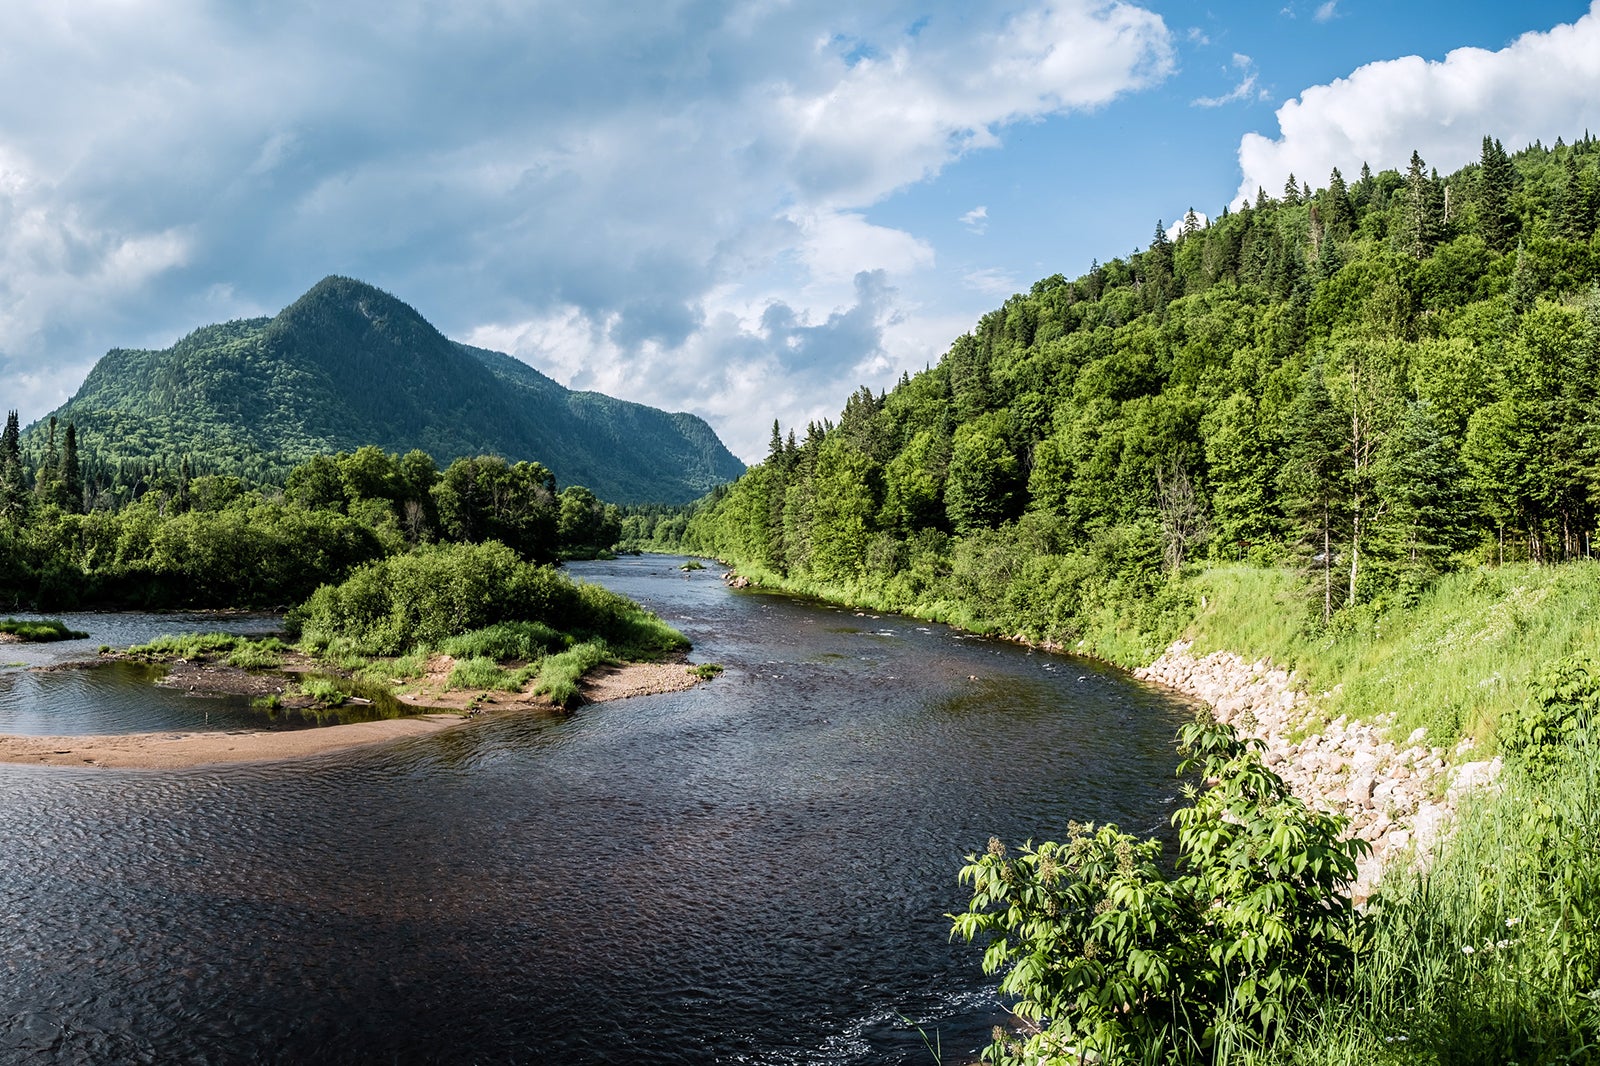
(421, 642)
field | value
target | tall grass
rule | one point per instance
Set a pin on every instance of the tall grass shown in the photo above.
(1493, 956)
(559, 674)
(1456, 663)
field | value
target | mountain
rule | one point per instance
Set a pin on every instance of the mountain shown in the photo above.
(347, 365)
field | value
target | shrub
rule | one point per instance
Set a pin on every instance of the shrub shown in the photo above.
(1109, 955)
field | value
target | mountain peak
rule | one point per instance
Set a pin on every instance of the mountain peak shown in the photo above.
(348, 364)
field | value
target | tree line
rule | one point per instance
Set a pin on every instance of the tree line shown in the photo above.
(1378, 381)
(186, 539)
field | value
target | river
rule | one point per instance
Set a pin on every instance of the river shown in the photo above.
(753, 871)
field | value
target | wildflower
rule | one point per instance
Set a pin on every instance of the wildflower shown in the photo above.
(1512, 921)
(1467, 949)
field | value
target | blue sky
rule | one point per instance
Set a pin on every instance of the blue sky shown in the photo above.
(741, 210)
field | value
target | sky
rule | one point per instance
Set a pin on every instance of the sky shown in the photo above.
(742, 210)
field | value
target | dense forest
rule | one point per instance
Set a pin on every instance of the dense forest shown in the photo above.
(348, 365)
(1378, 381)
(216, 540)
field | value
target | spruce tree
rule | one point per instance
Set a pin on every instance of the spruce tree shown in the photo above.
(71, 472)
(1312, 479)
(13, 478)
(1494, 195)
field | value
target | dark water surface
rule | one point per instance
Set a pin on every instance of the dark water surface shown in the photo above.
(755, 871)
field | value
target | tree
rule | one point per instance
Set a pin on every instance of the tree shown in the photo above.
(1313, 477)
(1495, 180)
(1184, 526)
(71, 471)
(13, 476)
(982, 479)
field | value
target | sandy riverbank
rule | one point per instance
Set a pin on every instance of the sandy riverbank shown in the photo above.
(169, 750)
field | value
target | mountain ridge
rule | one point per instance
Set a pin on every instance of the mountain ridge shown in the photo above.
(347, 364)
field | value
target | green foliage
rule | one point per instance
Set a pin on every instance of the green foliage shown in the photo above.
(322, 690)
(1564, 711)
(257, 654)
(40, 631)
(437, 592)
(1346, 377)
(1108, 955)
(706, 671)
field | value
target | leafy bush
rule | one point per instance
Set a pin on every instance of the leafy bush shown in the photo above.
(1108, 955)
(1565, 708)
(438, 592)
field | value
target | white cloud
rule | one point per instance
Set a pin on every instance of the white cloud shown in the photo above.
(1326, 11)
(1245, 90)
(1542, 86)
(991, 281)
(976, 220)
(638, 199)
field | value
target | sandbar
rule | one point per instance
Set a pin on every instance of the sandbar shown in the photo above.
(177, 749)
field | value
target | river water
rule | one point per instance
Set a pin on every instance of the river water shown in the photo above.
(753, 871)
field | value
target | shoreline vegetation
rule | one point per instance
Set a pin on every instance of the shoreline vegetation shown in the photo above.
(40, 631)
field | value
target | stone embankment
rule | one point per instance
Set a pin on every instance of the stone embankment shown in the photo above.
(1398, 797)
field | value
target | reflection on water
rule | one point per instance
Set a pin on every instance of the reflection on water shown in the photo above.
(753, 871)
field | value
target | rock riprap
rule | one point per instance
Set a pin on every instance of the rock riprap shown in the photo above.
(1398, 797)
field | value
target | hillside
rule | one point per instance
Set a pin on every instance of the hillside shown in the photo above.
(348, 365)
(1376, 382)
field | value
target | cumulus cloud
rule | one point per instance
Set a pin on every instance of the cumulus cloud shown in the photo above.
(1541, 86)
(976, 220)
(632, 189)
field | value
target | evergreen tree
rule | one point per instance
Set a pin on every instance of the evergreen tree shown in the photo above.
(1291, 192)
(71, 471)
(13, 476)
(1313, 477)
(1495, 176)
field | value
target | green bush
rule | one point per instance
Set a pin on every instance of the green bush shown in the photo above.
(41, 631)
(442, 591)
(1108, 954)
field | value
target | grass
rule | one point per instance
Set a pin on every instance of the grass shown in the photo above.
(324, 691)
(1457, 663)
(506, 642)
(408, 667)
(558, 674)
(1493, 956)
(40, 632)
(242, 652)
(483, 673)
(706, 671)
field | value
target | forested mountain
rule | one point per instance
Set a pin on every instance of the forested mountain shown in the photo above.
(1379, 380)
(347, 365)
